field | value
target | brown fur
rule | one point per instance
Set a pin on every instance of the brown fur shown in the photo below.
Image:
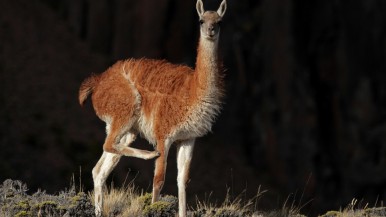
(168, 92)
(165, 91)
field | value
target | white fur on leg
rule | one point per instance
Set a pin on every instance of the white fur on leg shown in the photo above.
(184, 157)
(101, 171)
(97, 187)
(123, 147)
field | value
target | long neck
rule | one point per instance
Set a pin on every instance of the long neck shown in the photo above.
(207, 65)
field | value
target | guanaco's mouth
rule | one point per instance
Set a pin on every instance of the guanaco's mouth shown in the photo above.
(211, 36)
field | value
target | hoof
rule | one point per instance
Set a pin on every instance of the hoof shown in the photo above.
(98, 212)
(153, 154)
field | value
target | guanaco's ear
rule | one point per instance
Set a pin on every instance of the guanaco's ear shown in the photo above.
(200, 8)
(223, 7)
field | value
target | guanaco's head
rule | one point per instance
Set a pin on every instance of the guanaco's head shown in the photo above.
(210, 20)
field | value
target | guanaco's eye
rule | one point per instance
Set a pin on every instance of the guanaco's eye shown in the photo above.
(201, 22)
(219, 23)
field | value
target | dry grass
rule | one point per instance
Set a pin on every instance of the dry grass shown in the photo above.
(128, 201)
(122, 201)
(229, 207)
(355, 209)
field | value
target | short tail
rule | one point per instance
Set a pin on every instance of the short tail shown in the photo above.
(87, 87)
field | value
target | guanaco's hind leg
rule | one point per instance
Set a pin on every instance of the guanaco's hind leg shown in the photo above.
(115, 143)
(104, 167)
(110, 159)
(101, 171)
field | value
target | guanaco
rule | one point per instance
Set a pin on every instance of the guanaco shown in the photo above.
(165, 103)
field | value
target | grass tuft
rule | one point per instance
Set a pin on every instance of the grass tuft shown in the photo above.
(230, 207)
(159, 208)
(127, 201)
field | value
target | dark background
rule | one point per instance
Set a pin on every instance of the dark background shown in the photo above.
(305, 112)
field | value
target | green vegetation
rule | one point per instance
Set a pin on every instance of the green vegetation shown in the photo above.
(14, 201)
(128, 201)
